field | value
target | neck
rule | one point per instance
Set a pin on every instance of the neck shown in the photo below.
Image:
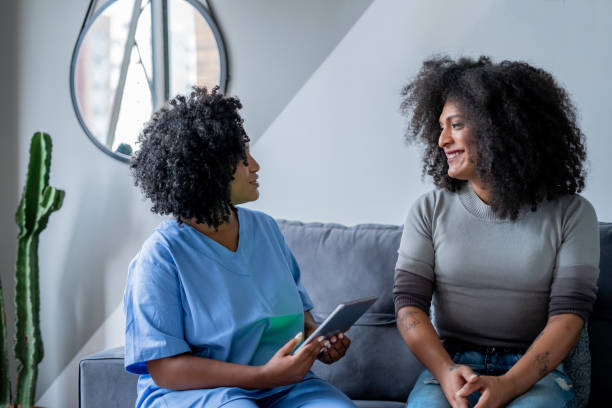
(483, 193)
(210, 230)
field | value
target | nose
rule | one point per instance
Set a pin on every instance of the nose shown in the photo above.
(253, 165)
(445, 137)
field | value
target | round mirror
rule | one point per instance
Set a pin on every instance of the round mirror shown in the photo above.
(134, 55)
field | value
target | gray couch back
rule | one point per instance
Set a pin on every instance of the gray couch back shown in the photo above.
(341, 263)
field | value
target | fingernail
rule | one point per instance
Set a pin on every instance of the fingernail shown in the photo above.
(327, 344)
(320, 338)
(322, 350)
(341, 335)
(299, 335)
(472, 377)
(333, 339)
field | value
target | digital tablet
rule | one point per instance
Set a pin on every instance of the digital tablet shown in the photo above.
(341, 319)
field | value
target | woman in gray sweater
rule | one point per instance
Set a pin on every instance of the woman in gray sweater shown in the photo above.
(504, 246)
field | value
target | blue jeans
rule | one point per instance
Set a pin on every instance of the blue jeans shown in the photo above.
(554, 390)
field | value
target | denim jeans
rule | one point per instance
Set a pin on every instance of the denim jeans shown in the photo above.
(554, 390)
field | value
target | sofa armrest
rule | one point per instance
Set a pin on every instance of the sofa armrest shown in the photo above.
(103, 381)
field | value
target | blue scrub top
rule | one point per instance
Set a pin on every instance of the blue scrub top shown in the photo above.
(186, 293)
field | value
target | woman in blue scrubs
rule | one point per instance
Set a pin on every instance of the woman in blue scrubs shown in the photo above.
(214, 305)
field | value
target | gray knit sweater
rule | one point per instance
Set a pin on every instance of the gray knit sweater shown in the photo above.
(495, 282)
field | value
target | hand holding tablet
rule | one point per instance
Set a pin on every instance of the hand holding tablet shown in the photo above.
(341, 319)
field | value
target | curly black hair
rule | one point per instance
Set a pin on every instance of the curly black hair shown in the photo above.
(188, 153)
(529, 146)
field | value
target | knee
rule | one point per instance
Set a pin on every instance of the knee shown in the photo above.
(430, 396)
(548, 392)
(316, 393)
(322, 401)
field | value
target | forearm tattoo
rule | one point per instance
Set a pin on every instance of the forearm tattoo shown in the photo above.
(405, 321)
(453, 367)
(412, 325)
(542, 362)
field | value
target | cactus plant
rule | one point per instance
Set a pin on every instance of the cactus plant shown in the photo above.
(37, 203)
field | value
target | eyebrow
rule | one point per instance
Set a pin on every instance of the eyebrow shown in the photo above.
(451, 117)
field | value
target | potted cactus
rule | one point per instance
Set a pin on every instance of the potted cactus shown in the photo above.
(38, 201)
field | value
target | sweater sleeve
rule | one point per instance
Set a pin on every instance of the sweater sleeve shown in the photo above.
(411, 289)
(414, 271)
(574, 285)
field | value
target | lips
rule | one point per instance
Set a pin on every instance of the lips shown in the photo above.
(452, 155)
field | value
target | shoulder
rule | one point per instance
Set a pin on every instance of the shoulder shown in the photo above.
(164, 238)
(431, 202)
(573, 207)
(258, 219)
(262, 228)
(577, 203)
(570, 216)
(436, 198)
(157, 250)
(579, 213)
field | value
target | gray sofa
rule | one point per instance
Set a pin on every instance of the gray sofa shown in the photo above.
(342, 263)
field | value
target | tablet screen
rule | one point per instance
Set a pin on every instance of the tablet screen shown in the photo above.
(341, 319)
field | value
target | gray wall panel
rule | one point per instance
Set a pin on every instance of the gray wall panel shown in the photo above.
(9, 159)
(275, 45)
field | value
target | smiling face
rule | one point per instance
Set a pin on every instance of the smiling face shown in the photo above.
(457, 141)
(244, 186)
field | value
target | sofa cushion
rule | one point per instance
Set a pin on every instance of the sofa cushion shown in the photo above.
(577, 366)
(600, 324)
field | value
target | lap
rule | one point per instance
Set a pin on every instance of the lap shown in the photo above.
(310, 393)
(554, 390)
(427, 393)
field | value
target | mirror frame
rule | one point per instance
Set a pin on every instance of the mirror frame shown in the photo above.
(223, 77)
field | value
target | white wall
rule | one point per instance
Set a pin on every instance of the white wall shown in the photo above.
(331, 150)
